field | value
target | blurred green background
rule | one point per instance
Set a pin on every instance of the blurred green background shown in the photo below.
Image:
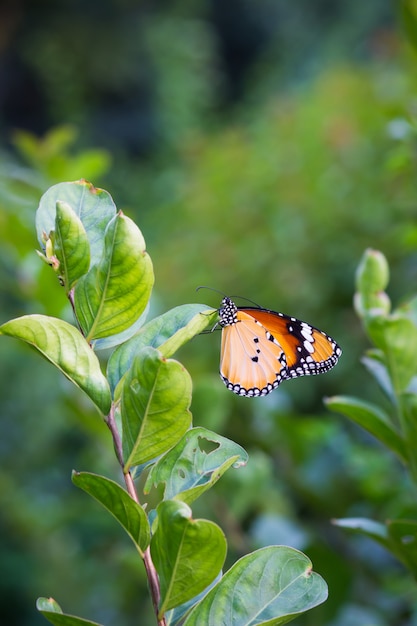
(260, 147)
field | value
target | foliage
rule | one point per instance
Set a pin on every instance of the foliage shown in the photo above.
(108, 279)
(392, 362)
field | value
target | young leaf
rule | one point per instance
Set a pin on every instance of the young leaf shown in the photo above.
(270, 586)
(372, 277)
(188, 469)
(94, 207)
(71, 245)
(397, 536)
(188, 318)
(188, 554)
(374, 362)
(65, 347)
(53, 613)
(115, 292)
(369, 527)
(118, 502)
(371, 418)
(155, 400)
(195, 326)
(396, 336)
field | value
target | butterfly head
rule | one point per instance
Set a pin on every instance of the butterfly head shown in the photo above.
(227, 312)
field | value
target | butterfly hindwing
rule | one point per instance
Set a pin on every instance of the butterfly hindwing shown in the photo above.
(261, 348)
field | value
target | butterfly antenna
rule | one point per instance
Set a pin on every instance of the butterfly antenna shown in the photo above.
(225, 295)
(247, 300)
(211, 289)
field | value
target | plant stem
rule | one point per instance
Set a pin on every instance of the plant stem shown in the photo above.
(151, 573)
(153, 584)
(72, 303)
(111, 423)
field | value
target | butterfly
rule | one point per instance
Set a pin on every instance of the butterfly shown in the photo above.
(262, 348)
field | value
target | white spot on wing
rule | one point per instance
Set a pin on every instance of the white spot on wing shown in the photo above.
(307, 333)
(309, 347)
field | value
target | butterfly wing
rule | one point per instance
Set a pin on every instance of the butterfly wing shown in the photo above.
(252, 362)
(307, 349)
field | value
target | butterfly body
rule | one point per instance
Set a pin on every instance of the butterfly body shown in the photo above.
(261, 348)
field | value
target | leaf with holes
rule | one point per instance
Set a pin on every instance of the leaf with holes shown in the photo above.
(195, 464)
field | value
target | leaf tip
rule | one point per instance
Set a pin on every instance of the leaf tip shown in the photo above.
(48, 605)
(74, 476)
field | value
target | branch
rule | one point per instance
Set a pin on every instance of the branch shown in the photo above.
(131, 489)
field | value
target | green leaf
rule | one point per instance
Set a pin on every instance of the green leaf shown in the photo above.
(374, 362)
(48, 604)
(53, 613)
(195, 464)
(409, 427)
(182, 322)
(155, 400)
(398, 536)
(409, 309)
(106, 343)
(271, 586)
(176, 615)
(396, 336)
(403, 534)
(119, 503)
(71, 245)
(368, 527)
(65, 347)
(371, 418)
(188, 554)
(195, 326)
(408, 14)
(94, 207)
(115, 292)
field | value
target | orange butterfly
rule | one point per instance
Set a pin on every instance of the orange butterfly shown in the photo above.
(261, 348)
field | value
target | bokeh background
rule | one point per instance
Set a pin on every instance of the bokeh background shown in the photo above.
(261, 147)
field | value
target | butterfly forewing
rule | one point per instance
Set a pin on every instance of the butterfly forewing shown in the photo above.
(298, 339)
